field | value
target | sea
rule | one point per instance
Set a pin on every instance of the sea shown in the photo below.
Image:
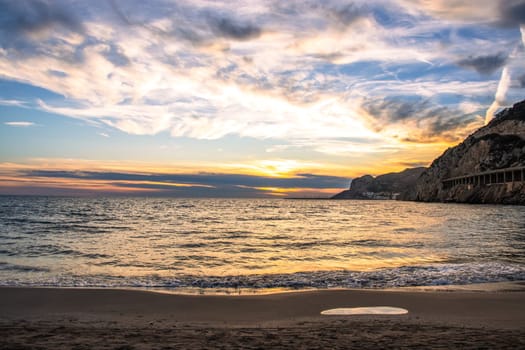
(235, 246)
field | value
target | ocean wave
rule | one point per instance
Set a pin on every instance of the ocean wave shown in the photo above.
(44, 250)
(406, 276)
(4, 266)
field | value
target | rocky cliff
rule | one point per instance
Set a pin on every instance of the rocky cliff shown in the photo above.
(498, 145)
(387, 186)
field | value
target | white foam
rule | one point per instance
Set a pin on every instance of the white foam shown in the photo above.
(370, 310)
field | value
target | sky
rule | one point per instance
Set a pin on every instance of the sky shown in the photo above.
(244, 98)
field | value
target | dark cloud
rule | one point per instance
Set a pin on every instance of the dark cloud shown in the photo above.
(433, 120)
(31, 16)
(224, 73)
(512, 12)
(198, 26)
(116, 56)
(485, 65)
(330, 13)
(233, 29)
(27, 27)
(196, 192)
(207, 26)
(414, 164)
(398, 109)
(449, 122)
(225, 184)
(119, 13)
(521, 81)
(328, 56)
(349, 14)
(187, 34)
(57, 73)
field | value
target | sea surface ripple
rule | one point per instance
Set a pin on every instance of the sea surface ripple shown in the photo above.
(255, 244)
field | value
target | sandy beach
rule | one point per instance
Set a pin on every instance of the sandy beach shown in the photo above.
(47, 318)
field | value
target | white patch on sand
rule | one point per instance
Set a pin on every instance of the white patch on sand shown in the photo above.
(371, 310)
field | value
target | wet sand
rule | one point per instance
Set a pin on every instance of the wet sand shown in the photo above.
(49, 318)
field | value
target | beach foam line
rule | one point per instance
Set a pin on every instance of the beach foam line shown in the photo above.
(369, 310)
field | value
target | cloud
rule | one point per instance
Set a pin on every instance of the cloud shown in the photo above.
(326, 13)
(201, 179)
(349, 14)
(458, 10)
(419, 120)
(398, 109)
(200, 24)
(501, 93)
(510, 85)
(229, 28)
(486, 65)
(182, 185)
(295, 71)
(20, 124)
(493, 12)
(512, 12)
(33, 16)
(506, 13)
(26, 25)
(521, 81)
(415, 164)
(16, 103)
(114, 54)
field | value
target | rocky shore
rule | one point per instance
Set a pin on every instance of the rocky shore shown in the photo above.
(497, 146)
(387, 186)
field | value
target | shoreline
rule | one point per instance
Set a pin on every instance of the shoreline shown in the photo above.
(483, 287)
(58, 317)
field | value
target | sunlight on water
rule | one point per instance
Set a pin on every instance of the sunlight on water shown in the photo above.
(220, 243)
